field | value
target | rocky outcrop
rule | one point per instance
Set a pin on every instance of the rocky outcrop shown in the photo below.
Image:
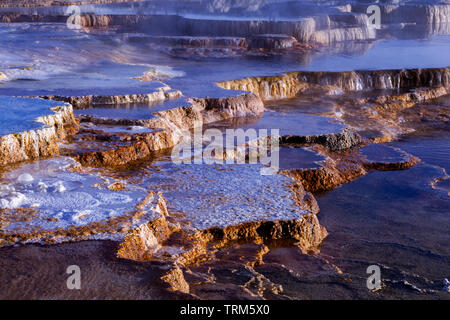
(330, 36)
(323, 23)
(334, 141)
(144, 241)
(175, 280)
(215, 109)
(184, 247)
(34, 144)
(344, 166)
(272, 42)
(385, 79)
(171, 124)
(148, 241)
(28, 145)
(304, 30)
(198, 47)
(307, 231)
(180, 245)
(63, 120)
(268, 88)
(108, 151)
(194, 42)
(391, 115)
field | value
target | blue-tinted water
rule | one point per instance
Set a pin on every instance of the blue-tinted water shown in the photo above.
(20, 114)
(131, 111)
(77, 63)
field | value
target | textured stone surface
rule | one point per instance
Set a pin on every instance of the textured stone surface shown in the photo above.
(170, 126)
(342, 167)
(33, 144)
(293, 83)
(164, 93)
(333, 141)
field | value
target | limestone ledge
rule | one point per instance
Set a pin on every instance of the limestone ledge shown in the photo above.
(182, 246)
(344, 166)
(80, 102)
(43, 142)
(293, 83)
(169, 128)
(150, 208)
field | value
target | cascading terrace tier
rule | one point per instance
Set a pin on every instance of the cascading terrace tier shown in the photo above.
(38, 137)
(290, 84)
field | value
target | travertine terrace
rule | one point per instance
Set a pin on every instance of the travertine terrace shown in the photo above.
(92, 111)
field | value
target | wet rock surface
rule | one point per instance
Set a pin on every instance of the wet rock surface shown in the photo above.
(293, 83)
(162, 94)
(182, 240)
(346, 166)
(41, 132)
(180, 232)
(351, 189)
(323, 24)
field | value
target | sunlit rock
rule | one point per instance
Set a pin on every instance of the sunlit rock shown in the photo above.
(161, 94)
(345, 166)
(333, 141)
(292, 83)
(36, 134)
(175, 280)
(144, 241)
(169, 126)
